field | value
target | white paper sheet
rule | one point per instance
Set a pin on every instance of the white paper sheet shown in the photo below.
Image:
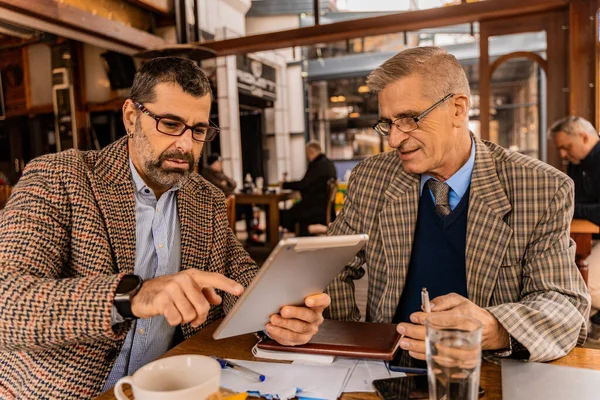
(285, 381)
(362, 373)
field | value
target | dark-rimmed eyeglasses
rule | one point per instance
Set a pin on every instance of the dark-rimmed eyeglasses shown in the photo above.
(406, 124)
(173, 127)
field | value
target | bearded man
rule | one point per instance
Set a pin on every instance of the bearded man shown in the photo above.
(109, 258)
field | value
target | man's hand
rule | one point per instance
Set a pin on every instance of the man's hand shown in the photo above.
(294, 326)
(182, 297)
(494, 336)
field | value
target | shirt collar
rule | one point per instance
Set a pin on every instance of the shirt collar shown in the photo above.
(460, 181)
(140, 185)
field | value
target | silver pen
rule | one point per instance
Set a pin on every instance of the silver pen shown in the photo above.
(243, 370)
(425, 300)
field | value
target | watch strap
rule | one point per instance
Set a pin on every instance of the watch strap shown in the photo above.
(515, 351)
(123, 296)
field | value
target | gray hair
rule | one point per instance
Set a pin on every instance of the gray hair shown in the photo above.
(314, 145)
(441, 71)
(572, 126)
(181, 71)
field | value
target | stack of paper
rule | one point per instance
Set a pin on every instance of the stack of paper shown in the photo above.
(284, 381)
(363, 372)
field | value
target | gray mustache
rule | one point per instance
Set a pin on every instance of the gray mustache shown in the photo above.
(187, 157)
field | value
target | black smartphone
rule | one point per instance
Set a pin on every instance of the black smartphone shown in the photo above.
(405, 388)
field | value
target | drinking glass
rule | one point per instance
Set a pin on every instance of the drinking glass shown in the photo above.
(453, 345)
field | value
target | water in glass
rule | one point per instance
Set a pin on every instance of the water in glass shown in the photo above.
(453, 356)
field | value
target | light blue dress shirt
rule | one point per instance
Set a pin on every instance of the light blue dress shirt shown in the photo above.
(157, 253)
(459, 182)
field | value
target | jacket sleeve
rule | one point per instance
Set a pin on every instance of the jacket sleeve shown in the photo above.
(550, 319)
(309, 179)
(41, 307)
(591, 212)
(341, 290)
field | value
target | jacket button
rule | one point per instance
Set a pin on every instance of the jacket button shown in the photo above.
(111, 354)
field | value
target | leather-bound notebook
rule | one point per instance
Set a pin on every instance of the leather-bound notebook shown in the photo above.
(346, 339)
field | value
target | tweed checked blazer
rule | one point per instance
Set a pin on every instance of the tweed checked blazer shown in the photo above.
(520, 260)
(67, 236)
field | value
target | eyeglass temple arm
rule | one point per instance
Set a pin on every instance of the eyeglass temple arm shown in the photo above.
(430, 109)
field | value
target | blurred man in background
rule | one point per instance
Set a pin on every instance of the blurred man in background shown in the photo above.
(578, 143)
(312, 209)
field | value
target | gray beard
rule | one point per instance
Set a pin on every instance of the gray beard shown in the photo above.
(166, 177)
(159, 176)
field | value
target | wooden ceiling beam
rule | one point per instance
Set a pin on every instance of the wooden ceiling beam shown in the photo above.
(83, 21)
(164, 7)
(400, 22)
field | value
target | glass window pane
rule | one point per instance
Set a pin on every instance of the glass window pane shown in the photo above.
(515, 106)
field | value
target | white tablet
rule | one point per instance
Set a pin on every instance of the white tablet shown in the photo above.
(295, 269)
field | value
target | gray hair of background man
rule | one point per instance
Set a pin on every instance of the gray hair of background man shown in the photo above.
(441, 72)
(314, 145)
(572, 126)
(181, 71)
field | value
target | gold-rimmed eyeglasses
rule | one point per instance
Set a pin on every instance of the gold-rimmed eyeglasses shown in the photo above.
(406, 124)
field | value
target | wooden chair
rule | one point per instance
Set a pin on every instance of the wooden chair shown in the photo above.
(320, 229)
(5, 191)
(230, 202)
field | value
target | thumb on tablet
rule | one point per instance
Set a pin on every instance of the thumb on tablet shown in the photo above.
(318, 301)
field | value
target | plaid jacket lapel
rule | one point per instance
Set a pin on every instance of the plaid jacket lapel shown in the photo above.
(111, 182)
(397, 222)
(194, 204)
(488, 204)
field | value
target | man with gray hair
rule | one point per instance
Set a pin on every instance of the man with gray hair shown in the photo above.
(485, 230)
(578, 143)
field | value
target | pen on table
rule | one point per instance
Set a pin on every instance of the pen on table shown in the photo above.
(243, 370)
(408, 370)
(425, 300)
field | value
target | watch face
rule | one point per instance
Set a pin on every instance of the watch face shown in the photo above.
(128, 284)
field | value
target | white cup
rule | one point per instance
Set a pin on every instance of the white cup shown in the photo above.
(185, 377)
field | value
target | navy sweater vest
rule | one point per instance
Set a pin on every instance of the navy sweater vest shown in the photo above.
(438, 256)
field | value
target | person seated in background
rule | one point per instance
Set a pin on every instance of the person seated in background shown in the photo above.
(108, 258)
(312, 209)
(215, 175)
(578, 143)
(485, 230)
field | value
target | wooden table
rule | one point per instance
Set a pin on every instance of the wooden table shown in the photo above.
(581, 232)
(240, 348)
(271, 200)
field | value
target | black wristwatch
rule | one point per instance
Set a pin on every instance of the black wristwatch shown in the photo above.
(129, 286)
(516, 351)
